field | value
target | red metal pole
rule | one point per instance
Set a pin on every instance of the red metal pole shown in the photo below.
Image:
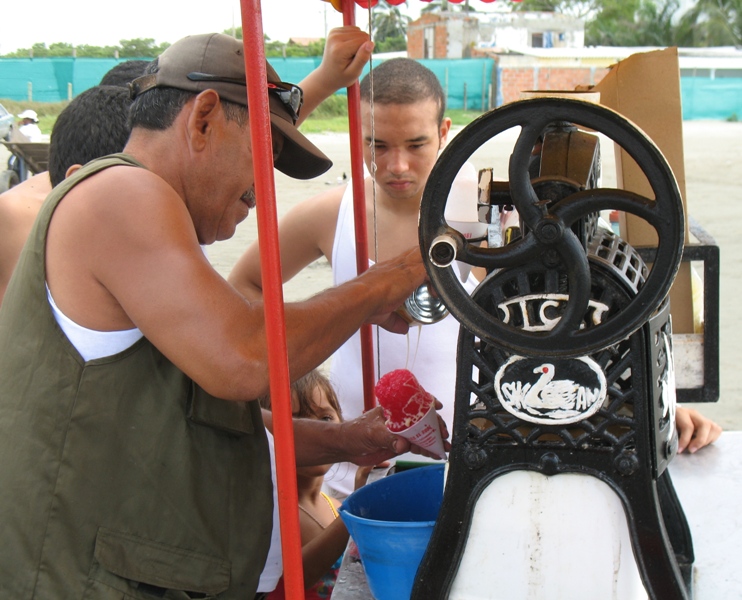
(270, 264)
(359, 211)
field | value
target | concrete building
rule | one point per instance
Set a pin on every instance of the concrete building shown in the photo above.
(456, 34)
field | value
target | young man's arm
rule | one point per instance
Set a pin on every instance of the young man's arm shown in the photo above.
(305, 234)
(347, 50)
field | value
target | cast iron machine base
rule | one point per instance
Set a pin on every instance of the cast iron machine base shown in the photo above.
(565, 352)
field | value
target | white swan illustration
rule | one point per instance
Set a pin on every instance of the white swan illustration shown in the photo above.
(547, 394)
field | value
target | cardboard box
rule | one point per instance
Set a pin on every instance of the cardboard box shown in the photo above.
(645, 88)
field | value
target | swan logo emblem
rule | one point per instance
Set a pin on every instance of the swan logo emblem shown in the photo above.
(562, 391)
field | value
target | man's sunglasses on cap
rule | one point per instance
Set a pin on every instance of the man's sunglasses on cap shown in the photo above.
(290, 95)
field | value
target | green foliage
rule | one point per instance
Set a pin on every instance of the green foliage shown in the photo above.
(582, 9)
(275, 49)
(632, 23)
(291, 50)
(460, 117)
(134, 48)
(446, 6)
(334, 106)
(650, 22)
(711, 23)
(388, 22)
(391, 44)
(139, 48)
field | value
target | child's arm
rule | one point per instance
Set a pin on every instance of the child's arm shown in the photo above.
(319, 554)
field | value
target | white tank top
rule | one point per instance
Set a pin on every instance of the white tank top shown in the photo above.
(428, 351)
(90, 343)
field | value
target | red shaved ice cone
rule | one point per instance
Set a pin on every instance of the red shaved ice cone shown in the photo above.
(410, 410)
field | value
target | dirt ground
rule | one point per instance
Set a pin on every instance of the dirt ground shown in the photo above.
(713, 160)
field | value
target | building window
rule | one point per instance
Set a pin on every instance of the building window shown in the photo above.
(537, 40)
(429, 42)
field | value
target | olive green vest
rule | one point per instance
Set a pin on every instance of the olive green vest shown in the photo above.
(119, 477)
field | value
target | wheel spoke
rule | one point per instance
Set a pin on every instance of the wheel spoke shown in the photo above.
(578, 272)
(522, 192)
(515, 254)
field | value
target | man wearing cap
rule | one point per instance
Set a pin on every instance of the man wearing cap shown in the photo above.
(132, 464)
(29, 125)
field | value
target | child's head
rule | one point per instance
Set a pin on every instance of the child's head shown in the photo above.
(312, 397)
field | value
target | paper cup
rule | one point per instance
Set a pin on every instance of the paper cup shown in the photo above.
(426, 433)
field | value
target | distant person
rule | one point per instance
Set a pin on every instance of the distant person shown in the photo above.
(29, 126)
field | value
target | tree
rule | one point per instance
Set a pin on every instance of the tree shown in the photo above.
(141, 48)
(581, 9)
(632, 23)
(445, 5)
(134, 48)
(389, 30)
(275, 49)
(711, 23)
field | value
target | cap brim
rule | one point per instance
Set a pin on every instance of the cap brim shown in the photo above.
(299, 158)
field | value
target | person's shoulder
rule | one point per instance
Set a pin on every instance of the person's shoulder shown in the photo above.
(124, 193)
(22, 202)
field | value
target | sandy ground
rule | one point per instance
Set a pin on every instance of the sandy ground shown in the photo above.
(713, 158)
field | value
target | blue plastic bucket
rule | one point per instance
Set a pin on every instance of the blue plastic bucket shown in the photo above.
(391, 521)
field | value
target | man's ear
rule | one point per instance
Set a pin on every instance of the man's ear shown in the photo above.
(205, 110)
(444, 129)
(71, 169)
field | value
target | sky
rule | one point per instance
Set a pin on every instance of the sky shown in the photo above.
(102, 22)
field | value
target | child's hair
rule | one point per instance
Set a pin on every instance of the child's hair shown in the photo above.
(303, 390)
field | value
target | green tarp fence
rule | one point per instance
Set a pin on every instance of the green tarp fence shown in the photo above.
(717, 99)
(58, 79)
(468, 82)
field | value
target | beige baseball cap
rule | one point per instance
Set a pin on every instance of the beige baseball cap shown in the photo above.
(216, 61)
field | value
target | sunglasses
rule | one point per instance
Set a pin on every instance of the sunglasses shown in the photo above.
(289, 94)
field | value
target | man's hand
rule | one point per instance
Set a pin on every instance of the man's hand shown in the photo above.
(694, 430)
(368, 441)
(347, 50)
(397, 274)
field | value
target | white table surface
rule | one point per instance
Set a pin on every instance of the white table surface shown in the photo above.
(709, 485)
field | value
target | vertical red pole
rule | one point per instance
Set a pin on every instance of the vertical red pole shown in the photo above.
(359, 211)
(270, 264)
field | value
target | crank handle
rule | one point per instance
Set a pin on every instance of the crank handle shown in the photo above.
(445, 248)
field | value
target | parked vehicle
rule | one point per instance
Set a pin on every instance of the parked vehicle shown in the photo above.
(6, 123)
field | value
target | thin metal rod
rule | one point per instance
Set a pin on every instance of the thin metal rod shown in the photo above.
(275, 326)
(359, 212)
